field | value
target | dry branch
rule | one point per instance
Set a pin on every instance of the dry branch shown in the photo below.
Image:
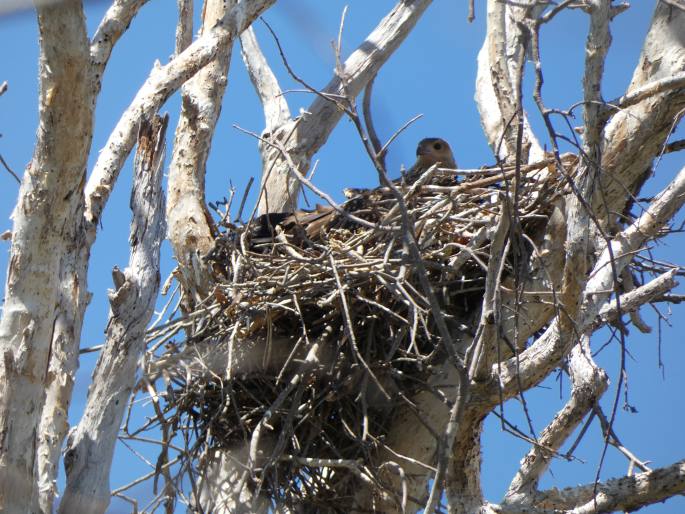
(498, 81)
(160, 85)
(90, 445)
(190, 224)
(635, 135)
(546, 353)
(45, 292)
(622, 494)
(305, 135)
(589, 383)
(113, 24)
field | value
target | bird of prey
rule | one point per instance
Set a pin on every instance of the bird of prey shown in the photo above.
(430, 151)
(310, 224)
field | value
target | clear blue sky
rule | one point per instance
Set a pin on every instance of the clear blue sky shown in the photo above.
(433, 73)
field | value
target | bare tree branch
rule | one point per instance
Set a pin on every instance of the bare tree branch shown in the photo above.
(545, 354)
(636, 134)
(675, 82)
(184, 27)
(90, 446)
(578, 215)
(633, 300)
(303, 138)
(34, 324)
(596, 48)
(113, 24)
(9, 170)
(276, 111)
(627, 494)
(487, 334)
(589, 383)
(350, 366)
(500, 63)
(160, 85)
(190, 224)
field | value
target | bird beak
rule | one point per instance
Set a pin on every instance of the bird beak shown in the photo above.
(421, 151)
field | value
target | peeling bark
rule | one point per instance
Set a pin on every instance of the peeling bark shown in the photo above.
(190, 224)
(500, 72)
(570, 288)
(35, 324)
(90, 446)
(635, 136)
(160, 85)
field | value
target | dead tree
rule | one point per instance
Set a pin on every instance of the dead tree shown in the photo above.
(342, 359)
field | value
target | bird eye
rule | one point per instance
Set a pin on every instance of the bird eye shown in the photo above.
(437, 146)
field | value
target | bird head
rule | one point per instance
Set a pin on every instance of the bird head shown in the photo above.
(433, 150)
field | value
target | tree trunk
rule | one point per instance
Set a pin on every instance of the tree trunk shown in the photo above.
(46, 295)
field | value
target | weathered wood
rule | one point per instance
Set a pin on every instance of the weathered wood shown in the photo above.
(45, 295)
(90, 445)
(190, 224)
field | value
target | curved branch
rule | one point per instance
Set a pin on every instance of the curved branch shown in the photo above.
(113, 24)
(537, 361)
(160, 85)
(304, 137)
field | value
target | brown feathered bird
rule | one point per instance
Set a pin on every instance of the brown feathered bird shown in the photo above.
(310, 224)
(430, 151)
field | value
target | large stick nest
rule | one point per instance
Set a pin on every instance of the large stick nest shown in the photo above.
(318, 327)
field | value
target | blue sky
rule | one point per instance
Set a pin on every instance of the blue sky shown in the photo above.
(432, 74)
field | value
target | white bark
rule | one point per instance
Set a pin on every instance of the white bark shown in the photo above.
(499, 73)
(578, 247)
(55, 225)
(113, 24)
(623, 494)
(226, 488)
(636, 134)
(544, 355)
(218, 359)
(91, 444)
(57, 244)
(589, 382)
(184, 27)
(190, 224)
(415, 453)
(43, 298)
(64, 356)
(276, 111)
(160, 85)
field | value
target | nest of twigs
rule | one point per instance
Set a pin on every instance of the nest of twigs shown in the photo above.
(334, 320)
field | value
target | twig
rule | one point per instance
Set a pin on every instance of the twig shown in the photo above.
(316, 190)
(6, 166)
(368, 121)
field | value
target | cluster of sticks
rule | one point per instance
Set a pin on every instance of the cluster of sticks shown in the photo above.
(314, 337)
